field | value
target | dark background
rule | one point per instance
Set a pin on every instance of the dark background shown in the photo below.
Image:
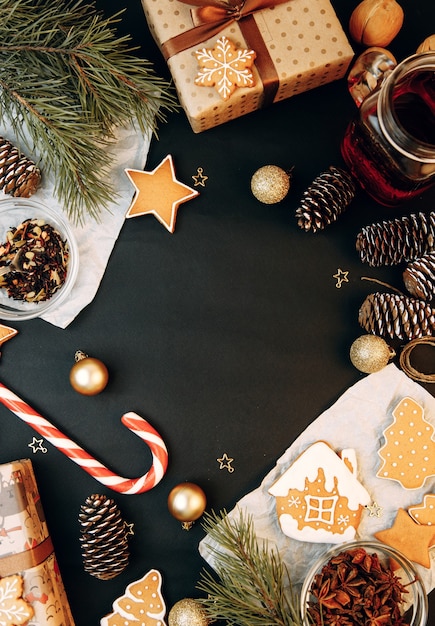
(228, 335)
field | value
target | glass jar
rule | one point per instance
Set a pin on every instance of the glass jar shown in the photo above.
(13, 211)
(415, 602)
(390, 146)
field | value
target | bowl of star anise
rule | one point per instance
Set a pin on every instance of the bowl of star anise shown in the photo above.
(363, 583)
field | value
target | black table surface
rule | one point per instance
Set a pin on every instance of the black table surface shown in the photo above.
(229, 335)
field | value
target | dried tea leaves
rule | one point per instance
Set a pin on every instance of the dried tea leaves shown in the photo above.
(43, 257)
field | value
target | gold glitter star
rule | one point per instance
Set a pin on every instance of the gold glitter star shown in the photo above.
(129, 528)
(374, 510)
(225, 463)
(199, 178)
(342, 277)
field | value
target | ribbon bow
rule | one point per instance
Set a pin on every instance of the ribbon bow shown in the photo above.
(212, 16)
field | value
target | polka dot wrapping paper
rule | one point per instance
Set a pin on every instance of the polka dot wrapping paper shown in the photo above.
(302, 39)
(358, 424)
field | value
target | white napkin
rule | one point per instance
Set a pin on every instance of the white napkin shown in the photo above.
(95, 239)
(357, 420)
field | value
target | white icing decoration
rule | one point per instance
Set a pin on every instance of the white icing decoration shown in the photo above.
(306, 466)
(289, 527)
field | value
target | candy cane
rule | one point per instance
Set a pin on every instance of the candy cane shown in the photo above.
(73, 451)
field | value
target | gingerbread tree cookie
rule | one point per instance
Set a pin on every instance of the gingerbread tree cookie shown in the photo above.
(141, 605)
(225, 67)
(408, 453)
(14, 611)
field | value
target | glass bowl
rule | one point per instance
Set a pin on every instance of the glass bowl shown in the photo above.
(14, 211)
(415, 603)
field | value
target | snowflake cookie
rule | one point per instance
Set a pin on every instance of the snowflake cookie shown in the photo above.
(14, 610)
(225, 67)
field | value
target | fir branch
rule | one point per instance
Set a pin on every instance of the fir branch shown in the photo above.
(254, 587)
(67, 80)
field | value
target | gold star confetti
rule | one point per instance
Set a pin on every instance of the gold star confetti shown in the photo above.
(225, 463)
(199, 178)
(36, 445)
(129, 528)
(374, 510)
(342, 277)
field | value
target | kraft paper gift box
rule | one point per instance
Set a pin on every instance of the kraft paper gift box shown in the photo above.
(26, 548)
(299, 45)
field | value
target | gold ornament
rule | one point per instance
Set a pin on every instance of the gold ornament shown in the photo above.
(188, 612)
(88, 376)
(187, 502)
(370, 353)
(270, 184)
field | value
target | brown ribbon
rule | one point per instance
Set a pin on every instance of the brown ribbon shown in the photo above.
(21, 561)
(212, 16)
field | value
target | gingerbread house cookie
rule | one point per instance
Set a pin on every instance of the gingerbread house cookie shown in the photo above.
(319, 497)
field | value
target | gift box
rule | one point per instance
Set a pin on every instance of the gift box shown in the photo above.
(26, 550)
(298, 45)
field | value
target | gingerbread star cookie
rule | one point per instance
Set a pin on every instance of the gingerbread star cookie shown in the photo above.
(142, 604)
(159, 192)
(6, 333)
(14, 611)
(425, 512)
(225, 67)
(408, 453)
(411, 539)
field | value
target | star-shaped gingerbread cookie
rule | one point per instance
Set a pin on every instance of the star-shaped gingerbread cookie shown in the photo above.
(159, 192)
(411, 539)
(6, 333)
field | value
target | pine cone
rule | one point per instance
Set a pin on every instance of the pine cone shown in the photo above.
(19, 176)
(326, 198)
(392, 315)
(104, 540)
(419, 277)
(392, 241)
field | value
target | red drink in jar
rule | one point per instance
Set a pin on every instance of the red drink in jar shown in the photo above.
(390, 147)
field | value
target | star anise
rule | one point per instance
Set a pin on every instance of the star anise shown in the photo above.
(355, 589)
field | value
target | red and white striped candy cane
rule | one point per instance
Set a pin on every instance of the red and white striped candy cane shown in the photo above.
(100, 472)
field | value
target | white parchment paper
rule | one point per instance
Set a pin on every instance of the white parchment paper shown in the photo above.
(357, 420)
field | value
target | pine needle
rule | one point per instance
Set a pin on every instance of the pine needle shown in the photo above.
(253, 586)
(67, 80)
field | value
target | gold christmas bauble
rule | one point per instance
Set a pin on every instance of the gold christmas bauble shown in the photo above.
(270, 184)
(370, 353)
(187, 612)
(88, 376)
(187, 502)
